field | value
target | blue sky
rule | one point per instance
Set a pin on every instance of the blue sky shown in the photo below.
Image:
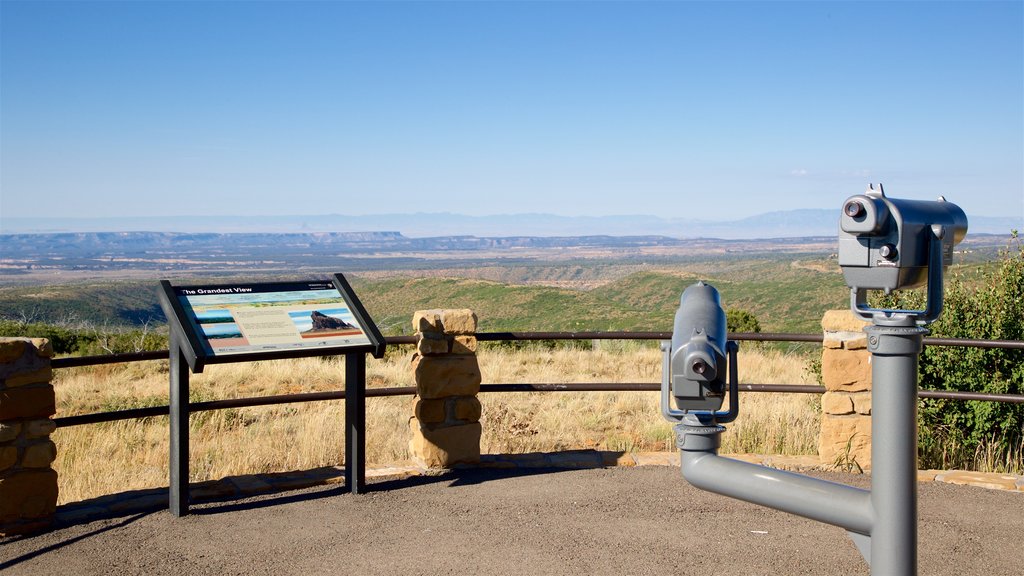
(703, 110)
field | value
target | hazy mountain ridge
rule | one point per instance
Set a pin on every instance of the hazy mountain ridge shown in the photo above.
(781, 224)
(154, 244)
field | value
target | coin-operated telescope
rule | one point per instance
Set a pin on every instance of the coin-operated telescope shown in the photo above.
(889, 244)
(698, 358)
(884, 244)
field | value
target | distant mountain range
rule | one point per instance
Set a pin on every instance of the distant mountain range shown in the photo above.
(783, 224)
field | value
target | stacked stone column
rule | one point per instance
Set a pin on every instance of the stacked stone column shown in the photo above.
(845, 436)
(446, 422)
(28, 486)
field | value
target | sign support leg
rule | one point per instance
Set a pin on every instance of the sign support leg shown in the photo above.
(178, 497)
(355, 423)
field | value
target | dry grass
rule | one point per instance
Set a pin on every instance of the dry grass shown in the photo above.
(105, 458)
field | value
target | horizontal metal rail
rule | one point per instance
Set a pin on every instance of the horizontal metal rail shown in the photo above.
(151, 411)
(80, 361)
(967, 343)
(77, 361)
(978, 396)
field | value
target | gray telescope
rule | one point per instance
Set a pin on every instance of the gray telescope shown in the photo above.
(695, 364)
(889, 244)
(884, 244)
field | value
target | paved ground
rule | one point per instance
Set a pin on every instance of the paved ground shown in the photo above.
(640, 520)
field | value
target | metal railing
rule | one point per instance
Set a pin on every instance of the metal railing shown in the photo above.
(151, 411)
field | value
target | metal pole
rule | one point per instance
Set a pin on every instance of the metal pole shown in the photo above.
(894, 357)
(355, 422)
(178, 497)
(820, 500)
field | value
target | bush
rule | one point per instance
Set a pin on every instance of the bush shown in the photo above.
(986, 435)
(88, 341)
(64, 340)
(737, 320)
(121, 341)
(536, 345)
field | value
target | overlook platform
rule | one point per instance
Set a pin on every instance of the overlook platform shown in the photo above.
(579, 512)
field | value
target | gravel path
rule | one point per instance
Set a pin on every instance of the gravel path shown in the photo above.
(644, 520)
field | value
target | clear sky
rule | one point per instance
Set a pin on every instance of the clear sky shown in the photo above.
(679, 109)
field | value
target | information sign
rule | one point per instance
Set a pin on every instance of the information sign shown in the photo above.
(270, 319)
(244, 322)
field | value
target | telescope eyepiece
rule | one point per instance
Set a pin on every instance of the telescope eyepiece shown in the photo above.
(699, 366)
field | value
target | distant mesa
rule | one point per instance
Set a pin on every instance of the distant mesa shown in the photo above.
(322, 322)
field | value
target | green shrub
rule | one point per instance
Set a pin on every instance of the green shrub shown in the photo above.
(958, 434)
(537, 345)
(88, 341)
(737, 320)
(64, 340)
(122, 341)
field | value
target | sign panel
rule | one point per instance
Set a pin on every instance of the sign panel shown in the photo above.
(271, 320)
(247, 318)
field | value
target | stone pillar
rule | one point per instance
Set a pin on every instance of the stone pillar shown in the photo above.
(28, 486)
(446, 421)
(845, 438)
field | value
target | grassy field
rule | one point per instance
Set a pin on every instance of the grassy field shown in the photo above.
(785, 294)
(105, 458)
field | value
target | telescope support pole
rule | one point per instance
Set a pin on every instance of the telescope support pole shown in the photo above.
(895, 351)
(820, 500)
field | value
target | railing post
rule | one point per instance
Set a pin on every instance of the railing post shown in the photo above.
(446, 423)
(845, 436)
(28, 485)
(355, 422)
(178, 447)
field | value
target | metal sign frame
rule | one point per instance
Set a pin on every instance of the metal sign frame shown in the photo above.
(190, 353)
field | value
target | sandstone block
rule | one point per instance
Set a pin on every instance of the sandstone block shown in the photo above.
(43, 347)
(860, 343)
(8, 457)
(845, 340)
(38, 376)
(9, 431)
(842, 321)
(837, 432)
(432, 344)
(445, 446)
(992, 481)
(464, 345)
(40, 428)
(861, 403)
(845, 370)
(467, 409)
(39, 455)
(11, 349)
(430, 411)
(26, 495)
(443, 376)
(27, 402)
(459, 321)
(425, 321)
(832, 341)
(836, 403)
(456, 321)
